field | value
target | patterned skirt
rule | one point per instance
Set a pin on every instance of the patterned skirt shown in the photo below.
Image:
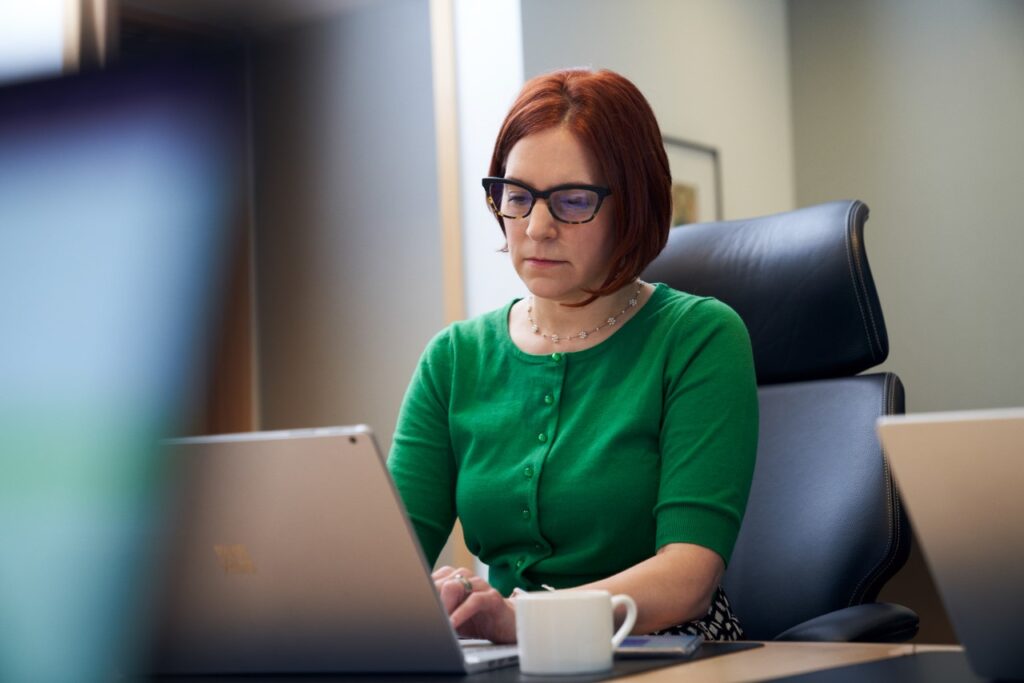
(718, 624)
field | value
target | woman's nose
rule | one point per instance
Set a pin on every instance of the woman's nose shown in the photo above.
(541, 224)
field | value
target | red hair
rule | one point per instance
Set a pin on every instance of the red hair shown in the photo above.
(613, 120)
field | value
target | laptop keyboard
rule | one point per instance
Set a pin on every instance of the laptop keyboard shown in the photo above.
(483, 651)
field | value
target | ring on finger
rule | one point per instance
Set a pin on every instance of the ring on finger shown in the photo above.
(466, 584)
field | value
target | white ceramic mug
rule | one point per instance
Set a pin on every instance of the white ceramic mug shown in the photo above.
(569, 632)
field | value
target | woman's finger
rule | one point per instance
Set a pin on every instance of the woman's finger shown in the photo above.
(444, 572)
(475, 605)
(455, 589)
(485, 614)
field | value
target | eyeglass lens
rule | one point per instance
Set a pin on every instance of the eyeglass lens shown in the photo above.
(572, 205)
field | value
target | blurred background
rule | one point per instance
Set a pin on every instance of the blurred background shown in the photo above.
(355, 227)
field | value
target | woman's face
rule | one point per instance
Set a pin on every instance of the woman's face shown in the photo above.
(557, 260)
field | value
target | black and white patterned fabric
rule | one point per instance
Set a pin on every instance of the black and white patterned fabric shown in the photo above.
(718, 624)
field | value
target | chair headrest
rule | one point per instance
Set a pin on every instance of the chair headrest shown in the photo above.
(800, 280)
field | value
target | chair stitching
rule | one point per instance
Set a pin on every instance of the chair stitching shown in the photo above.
(857, 278)
(891, 507)
(892, 501)
(863, 285)
(893, 498)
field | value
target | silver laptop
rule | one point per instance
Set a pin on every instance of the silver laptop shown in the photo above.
(961, 476)
(291, 552)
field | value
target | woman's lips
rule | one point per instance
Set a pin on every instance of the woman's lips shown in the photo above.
(543, 263)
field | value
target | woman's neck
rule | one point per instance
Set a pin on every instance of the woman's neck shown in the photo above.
(558, 322)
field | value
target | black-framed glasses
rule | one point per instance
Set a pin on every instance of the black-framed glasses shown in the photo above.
(570, 203)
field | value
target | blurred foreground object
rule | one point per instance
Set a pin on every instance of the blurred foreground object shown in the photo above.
(118, 191)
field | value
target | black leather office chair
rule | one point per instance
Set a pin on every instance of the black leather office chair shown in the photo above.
(824, 529)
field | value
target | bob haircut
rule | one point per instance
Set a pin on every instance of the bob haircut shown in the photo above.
(612, 119)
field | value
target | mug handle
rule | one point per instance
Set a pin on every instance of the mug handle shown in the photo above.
(627, 625)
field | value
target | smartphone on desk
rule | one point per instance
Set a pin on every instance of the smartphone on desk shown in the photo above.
(635, 647)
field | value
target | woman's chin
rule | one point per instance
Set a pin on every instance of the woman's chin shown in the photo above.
(551, 292)
(543, 285)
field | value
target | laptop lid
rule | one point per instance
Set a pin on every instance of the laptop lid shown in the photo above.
(961, 476)
(291, 552)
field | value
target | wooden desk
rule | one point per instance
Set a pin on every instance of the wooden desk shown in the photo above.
(780, 659)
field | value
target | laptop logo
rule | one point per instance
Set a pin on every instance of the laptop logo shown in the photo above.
(234, 559)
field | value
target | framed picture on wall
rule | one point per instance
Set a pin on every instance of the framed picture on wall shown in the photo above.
(696, 181)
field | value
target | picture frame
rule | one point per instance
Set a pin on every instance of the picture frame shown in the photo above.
(696, 181)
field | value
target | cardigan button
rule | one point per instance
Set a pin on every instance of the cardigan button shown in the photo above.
(542, 437)
(526, 514)
(528, 471)
(549, 399)
(557, 357)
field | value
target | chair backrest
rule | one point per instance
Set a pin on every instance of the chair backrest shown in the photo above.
(823, 528)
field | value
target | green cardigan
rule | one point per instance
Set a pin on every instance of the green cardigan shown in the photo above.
(570, 467)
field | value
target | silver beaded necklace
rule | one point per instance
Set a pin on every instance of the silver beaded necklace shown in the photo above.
(584, 333)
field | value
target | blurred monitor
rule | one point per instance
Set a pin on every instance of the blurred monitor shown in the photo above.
(118, 193)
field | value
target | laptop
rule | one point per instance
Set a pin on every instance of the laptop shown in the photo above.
(291, 552)
(961, 476)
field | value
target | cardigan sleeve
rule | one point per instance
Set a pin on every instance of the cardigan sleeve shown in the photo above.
(421, 461)
(709, 432)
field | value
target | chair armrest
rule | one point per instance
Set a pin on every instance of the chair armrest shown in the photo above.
(875, 622)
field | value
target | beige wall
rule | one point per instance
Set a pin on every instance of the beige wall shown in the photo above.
(714, 72)
(915, 107)
(348, 261)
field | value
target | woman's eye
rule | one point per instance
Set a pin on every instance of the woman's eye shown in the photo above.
(518, 198)
(576, 200)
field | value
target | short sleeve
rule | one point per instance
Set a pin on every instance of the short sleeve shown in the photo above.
(421, 461)
(709, 431)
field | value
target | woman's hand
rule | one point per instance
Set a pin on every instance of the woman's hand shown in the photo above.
(475, 608)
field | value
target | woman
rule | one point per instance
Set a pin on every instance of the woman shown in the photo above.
(599, 433)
